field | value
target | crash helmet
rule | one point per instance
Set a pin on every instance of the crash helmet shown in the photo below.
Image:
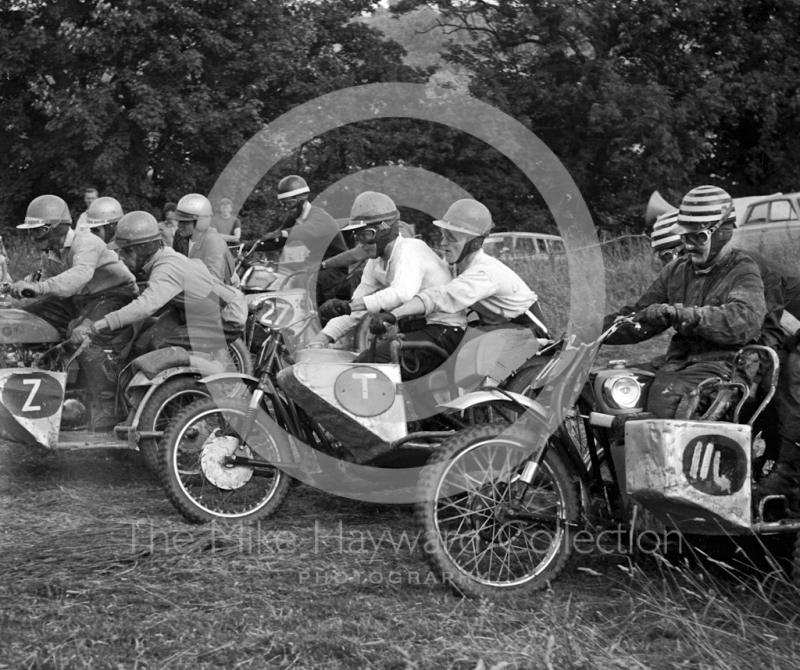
(103, 211)
(292, 186)
(136, 228)
(197, 208)
(467, 216)
(705, 207)
(370, 208)
(663, 235)
(44, 213)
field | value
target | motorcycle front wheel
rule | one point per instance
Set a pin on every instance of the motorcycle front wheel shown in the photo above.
(197, 477)
(485, 533)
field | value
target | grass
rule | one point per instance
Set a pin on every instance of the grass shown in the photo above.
(100, 572)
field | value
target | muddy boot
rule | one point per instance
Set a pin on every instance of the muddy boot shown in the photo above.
(101, 390)
(783, 480)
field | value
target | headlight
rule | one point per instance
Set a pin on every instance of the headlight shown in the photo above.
(622, 392)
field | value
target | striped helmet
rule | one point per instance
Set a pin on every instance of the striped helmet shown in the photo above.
(705, 207)
(664, 235)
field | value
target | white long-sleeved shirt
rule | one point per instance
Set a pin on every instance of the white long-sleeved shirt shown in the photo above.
(486, 285)
(412, 267)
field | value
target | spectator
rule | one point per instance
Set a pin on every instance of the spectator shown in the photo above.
(90, 195)
(170, 223)
(5, 276)
(225, 223)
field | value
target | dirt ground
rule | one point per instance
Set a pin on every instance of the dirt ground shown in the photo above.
(97, 570)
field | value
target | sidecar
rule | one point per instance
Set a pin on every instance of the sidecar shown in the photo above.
(696, 477)
(367, 408)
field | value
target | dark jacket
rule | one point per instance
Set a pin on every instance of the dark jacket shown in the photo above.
(730, 301)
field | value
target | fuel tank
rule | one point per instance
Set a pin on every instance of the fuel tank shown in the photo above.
(20, 327)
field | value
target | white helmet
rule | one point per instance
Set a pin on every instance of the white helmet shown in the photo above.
(46, 210)
(371, 207)
(195, 207)
(467, 216)
(103, 211)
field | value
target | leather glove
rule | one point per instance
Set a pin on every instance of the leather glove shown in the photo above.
(686, 318)
(24, 289)
(81, 332)
(378, 322)
(333, 308)
(662, 316)
(100, 326)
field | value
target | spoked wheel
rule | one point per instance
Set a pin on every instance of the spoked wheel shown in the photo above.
(166, 403)
(486, 533)
(240, 357)
(195, 469)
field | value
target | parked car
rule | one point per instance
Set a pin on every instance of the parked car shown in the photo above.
(769, 223)
(527, 245)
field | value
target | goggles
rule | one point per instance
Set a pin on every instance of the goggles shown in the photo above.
(698, 238)
(367, 235)
(449, 236)
(289, 203)
(41, 232)
(668, 255)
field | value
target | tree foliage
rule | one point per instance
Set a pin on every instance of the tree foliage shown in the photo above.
(150, 100)
(638, 95)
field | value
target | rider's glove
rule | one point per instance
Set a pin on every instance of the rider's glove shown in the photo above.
(24, 289)
(686, 318)
(332, 308)
(81, 332)
(377, 322)
(662, 316)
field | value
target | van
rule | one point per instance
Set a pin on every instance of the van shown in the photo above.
(523, 245)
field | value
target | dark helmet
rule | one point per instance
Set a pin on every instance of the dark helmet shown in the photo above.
(292, 186)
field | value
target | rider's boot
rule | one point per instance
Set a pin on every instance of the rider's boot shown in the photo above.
(783, 480)
(101, 390)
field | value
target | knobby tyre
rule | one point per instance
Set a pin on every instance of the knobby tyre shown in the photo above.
(240, 357)
(194, 473)
(166, 402)
(471, 541)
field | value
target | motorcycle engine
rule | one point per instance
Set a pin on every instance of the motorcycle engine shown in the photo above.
(16, 356)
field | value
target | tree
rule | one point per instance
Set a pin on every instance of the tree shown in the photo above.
(638, 95)
(150, 100)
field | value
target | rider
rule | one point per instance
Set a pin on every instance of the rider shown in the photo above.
(399, 268)
(713, 296)
(203, 313)
(102, 218)
(315, 237)
(666, 243)
(479, 282)
(82, 281)
(193, 214)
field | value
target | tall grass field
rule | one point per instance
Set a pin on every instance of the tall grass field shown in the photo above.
(97, 570)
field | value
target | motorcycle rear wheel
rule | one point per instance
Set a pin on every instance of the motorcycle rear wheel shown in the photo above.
(165, 403)
(464, 492)
(187, 467)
